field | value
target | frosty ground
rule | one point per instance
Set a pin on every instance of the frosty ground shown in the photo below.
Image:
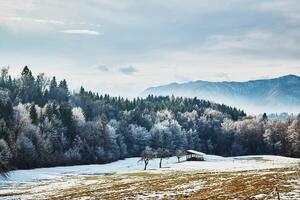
(227, 178)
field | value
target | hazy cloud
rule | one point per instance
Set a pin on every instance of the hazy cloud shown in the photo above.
(223, 77)
(41, 21)
(128, 70)
(103, 68)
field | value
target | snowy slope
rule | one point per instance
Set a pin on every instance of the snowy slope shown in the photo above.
(221, 164)
(213, 163)
(127, 165)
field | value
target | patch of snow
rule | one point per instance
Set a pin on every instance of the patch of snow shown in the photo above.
(294, 194)
(260, 197)
(212, 163)
(241, 163)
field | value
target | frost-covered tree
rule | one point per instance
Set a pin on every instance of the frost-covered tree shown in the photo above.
(250, 133)
(26, 152)
(78, 116)
(73, 154)
(294, 136)
(215, 114)
(57, 127)
(120, 138)
(5, 157)
(110, 143)
(21, 120)
(53, 134)
(275, 136)
(4, 76)
(140, 136)
(5, 132)
(6, 107)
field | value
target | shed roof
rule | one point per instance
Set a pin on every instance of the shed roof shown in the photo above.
(195, 152)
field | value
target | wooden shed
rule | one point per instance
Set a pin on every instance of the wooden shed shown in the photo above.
(192, 155)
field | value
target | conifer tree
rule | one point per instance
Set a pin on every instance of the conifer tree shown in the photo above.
(33, 114)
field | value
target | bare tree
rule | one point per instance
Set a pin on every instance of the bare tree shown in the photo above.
(162, 154)
(146, 156)
(179, 153)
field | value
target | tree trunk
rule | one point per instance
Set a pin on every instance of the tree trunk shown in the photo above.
(160, 163)
(146, 163)
(178, 159)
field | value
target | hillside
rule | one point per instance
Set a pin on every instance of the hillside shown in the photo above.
(276, 95)
(43, 124)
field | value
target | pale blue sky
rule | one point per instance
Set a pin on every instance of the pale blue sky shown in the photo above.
(123, 47)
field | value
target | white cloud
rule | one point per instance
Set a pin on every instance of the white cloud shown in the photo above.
(43, 21)
(81, 32)
(35, 20)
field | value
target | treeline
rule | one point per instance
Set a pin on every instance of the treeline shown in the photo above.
(43, 124)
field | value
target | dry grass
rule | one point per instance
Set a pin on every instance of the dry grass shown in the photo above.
(164, 185)
(180, 185)
(141, 174)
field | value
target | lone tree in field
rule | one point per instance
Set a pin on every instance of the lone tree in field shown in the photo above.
(179, 153)
(146, 156)
(162, 154)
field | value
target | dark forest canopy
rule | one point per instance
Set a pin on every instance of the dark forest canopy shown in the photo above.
(43, 124)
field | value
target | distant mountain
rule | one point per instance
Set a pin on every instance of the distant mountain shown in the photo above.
(257, 96)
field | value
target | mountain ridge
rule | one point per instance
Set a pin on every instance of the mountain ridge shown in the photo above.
(282, 94)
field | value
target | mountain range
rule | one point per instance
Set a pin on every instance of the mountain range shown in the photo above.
(280, 94)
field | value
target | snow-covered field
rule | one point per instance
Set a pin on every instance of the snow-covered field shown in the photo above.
(212, 163)
(126, 178)
(127, 165)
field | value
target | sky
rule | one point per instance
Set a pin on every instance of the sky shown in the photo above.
(123, 47)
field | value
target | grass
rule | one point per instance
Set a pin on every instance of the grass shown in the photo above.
(182, 185)
(174, 185)
(141, 174)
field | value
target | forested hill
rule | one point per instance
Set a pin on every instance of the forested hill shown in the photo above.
(43, 124)
(280, 94)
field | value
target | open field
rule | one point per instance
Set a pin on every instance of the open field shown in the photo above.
(217, 178)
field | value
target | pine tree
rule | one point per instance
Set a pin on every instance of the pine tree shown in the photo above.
(265, 117)
(33, 114)
(66, 117)
(63, 84)
(27, 91)
(53, 88)
(49, 111)
(26, 71)
(81, 91)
